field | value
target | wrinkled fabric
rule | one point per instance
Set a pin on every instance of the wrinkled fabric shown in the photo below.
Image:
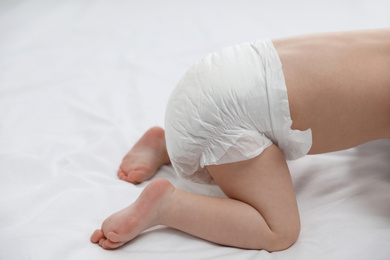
(229, 107)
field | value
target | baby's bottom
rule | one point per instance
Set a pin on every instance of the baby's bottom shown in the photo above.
(260, 213)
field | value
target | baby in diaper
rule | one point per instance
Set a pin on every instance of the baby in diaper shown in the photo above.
(234, 119)
(229, 107)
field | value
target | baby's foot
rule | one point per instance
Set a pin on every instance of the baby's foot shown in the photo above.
(145, 158)
(128, 223)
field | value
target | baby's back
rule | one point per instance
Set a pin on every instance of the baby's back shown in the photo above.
(339, 86)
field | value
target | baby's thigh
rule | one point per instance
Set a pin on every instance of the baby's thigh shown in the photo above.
(264, 183)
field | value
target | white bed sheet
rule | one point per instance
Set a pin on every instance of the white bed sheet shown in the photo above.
(80, 81)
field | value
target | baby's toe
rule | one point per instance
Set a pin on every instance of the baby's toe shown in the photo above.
(121, 174)
(101, 242)
(135, 177)
(96, 236)
(108, 244)
(114, 237)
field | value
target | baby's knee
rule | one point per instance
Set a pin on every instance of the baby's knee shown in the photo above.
(284, 238)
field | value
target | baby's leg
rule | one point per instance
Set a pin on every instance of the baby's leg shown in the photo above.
(261, 212)
(145, 158)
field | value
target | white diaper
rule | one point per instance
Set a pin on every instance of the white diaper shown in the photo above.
(229, 107)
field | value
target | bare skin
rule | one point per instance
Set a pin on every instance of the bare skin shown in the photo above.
(338, 85)
(145, 158)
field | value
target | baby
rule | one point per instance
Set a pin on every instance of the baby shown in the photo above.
(234, 119)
